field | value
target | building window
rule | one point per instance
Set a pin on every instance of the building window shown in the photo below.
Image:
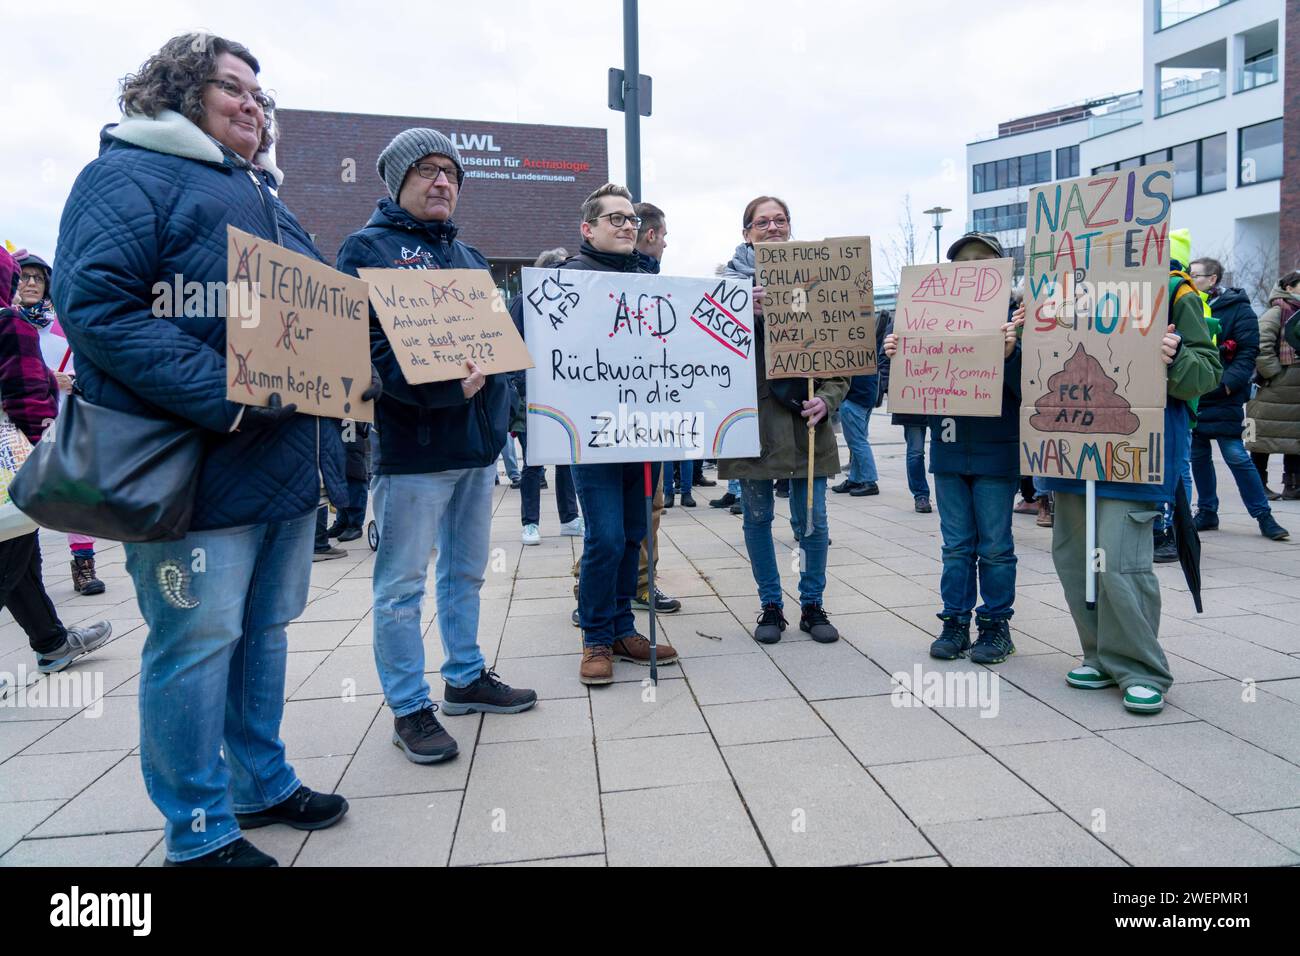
(1014, 171)
(1214, 163)
(1260, 149)
(1161, 156)
(1067, 162)
(1108, 168)
(1000, 218)
(1187, 174)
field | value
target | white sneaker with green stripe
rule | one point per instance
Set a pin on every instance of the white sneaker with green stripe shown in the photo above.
(1089, 678)
(1143, 699)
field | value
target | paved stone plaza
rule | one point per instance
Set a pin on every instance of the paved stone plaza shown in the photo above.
(790, 754)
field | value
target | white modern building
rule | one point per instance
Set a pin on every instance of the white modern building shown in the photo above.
(1211, 102)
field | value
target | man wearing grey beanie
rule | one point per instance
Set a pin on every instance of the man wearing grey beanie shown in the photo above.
(438, 446)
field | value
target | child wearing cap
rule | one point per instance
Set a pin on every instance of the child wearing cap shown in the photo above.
(976, 466)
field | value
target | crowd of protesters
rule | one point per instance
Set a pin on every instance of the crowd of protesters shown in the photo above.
(190, 157)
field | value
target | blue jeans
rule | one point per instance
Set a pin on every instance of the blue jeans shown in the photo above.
(508, 456)
(975, 522)
(1247, 477)
(856, 421)
(758, 497)
(914, 435)
(212, 674)
(530, 491)
(613, 505)
(683, 485)
(450, 511)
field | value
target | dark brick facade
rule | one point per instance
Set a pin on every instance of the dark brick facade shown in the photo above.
(1289, 219)
(505, 218)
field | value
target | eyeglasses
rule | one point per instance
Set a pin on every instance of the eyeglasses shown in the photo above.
(762, 224)
(432, 171)
(237, 92)
(618, 220)
(32, 277)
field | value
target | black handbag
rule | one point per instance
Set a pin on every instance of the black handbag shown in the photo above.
(111, 474)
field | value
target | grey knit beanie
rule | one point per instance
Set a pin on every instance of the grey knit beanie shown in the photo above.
(407, 147)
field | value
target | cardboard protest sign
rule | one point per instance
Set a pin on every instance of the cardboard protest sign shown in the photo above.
(950, 354)
(438, 319)
(635, 367)
(1096, 293)
(819, 312)
(295, 327)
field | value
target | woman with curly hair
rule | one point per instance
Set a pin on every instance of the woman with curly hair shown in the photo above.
(188, 159)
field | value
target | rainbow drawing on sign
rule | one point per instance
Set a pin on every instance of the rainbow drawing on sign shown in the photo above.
(565, 422)
(721, 435)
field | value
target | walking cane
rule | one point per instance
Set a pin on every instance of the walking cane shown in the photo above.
(1090, 542)
(650, 570)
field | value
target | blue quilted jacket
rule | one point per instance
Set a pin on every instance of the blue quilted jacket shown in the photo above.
(151, 210)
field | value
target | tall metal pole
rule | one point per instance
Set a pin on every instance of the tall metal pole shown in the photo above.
(631, 97)
(937, 255)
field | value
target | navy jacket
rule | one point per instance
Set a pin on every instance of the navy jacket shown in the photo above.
(424, 428)
(137, 217)
(981, 446)
(1221, 412)
(864, 389)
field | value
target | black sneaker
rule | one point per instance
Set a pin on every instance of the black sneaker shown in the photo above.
(844, 487)
(1166, 547)
(864, 489)
(994, 643)
(422, 738)
(770, 624)
(688, 501)
(304, 809)
(516, 483)
(726, 501)
(349, 534)
(922, 505)
(240, 853)
(953, 641)
(737, 509)
(663, 603)
(336, 528)
(1206, 521)
(487, 695)
(812, 620)
(668, 501)
(1270, 529)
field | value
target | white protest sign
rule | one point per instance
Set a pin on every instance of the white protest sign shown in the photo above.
(634, 367)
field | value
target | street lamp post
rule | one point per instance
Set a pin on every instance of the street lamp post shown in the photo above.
(937, 212)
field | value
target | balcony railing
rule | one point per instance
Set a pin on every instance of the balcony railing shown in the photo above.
(1256, 73)
(1172, 12)
(1184, 93)
(1122, 115)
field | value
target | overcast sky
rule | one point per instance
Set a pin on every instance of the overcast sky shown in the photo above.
(841, 108)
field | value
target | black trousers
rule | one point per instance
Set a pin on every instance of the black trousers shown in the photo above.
(23, 592)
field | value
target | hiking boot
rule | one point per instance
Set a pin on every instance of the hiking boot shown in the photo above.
(737, 509)
(953, 641)
(574, 528)
(812, 621)
(1270, 529)
(1166, 548)
(663, 603)
(865, 489)
(240, 853)
(83, 577)
(993, 646)
(688, 501)
(844, 487)
(422, 738)
(771, 622)
(1143, 700)
(487, 695)
(77, 642)
(1088, 678)
(304, 809)
(531, 534)
(726, 501)
(635, 648)
(328, 554)
(923, 505)
(350, 533)
(597, 665)
(1206, 520)
(1045, 518)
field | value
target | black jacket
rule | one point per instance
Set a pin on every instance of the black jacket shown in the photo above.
(1221, 412)
(424, 428)
(865, 389)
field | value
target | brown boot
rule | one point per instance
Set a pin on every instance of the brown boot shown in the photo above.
(1044, 511)
(636, 648)
(597, 664)
(83, 577)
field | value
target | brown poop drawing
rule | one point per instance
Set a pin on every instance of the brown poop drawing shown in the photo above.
(1081, 397)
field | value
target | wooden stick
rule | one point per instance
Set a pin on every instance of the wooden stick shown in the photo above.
(812, 436)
